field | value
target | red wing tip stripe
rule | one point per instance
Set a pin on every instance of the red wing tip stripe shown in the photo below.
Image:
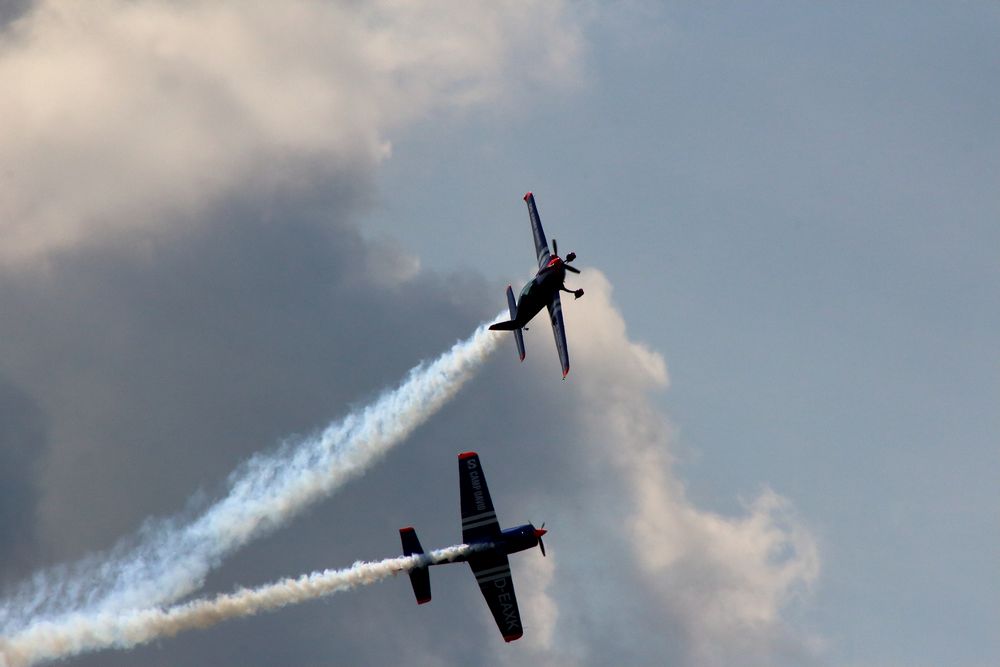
(512, 637)
(527, 195)
(423, 600)
(565, 373)
(408, 529)
(466, 455)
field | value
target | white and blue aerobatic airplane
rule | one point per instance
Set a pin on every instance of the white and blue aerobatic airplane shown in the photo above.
(491, 546)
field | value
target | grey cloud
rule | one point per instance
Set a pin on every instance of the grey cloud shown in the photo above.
(270, 304)
(11, 9)
(133, 112)
(23, 445)
(196, 354)
(204, 350)
(206, 291)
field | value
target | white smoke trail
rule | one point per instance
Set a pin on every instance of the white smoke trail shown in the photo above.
(170, 559)
(78, 633)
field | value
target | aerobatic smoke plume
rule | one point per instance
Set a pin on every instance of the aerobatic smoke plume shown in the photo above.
(170, 558)
(77, 633)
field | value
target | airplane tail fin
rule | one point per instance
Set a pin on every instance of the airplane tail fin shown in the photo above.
(420, 577)
(510, 324)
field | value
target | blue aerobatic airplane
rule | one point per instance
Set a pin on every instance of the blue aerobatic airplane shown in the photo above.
(542, 291)
(481, 530)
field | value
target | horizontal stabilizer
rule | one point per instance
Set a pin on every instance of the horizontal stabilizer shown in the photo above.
(509, 325)
(420, 577)
(518, 335)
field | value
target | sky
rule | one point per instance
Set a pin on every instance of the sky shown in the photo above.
(225, 224)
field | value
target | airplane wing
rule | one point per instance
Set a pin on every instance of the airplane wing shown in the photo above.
(493, 575)
(559, 331)
(479, 521)
(541, 245)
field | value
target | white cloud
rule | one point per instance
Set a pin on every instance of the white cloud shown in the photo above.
(722, 581)
(118, 114)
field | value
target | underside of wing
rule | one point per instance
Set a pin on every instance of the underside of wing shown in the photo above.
(559, 331)
(541, 244)
(493, 576)
(479, 521)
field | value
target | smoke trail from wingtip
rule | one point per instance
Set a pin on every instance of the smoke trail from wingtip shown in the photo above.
(172, 558)
(83, 632)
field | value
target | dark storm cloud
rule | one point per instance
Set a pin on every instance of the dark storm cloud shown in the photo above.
(183, 357)
(168, 361)
(10, 10)
(193, 353)
(22, 447)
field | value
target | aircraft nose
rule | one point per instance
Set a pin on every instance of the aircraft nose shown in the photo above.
(540, 531)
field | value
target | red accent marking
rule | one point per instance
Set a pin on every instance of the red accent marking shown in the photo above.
(526, 199)
(466, 455)
(555, 259)
(423, 600)
(565, 372)
(512, 637)
(408, 529)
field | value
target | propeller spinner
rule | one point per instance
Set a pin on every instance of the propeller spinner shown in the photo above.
(569, 258)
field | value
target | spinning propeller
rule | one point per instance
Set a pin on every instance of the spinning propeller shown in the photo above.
(538, 533)
(569, 258)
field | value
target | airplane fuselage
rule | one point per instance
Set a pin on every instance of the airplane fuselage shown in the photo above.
(541, 292)
(509, 542)
(537, 293)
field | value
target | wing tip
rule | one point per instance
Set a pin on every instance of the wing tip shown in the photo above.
(423, 600)
(528, 195)
(565, 372)
(466, 455)
(513, 636)
(406, 529)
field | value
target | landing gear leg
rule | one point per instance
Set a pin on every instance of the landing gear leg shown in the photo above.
(576, 293)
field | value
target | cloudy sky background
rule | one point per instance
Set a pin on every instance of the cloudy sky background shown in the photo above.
(224, 223)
